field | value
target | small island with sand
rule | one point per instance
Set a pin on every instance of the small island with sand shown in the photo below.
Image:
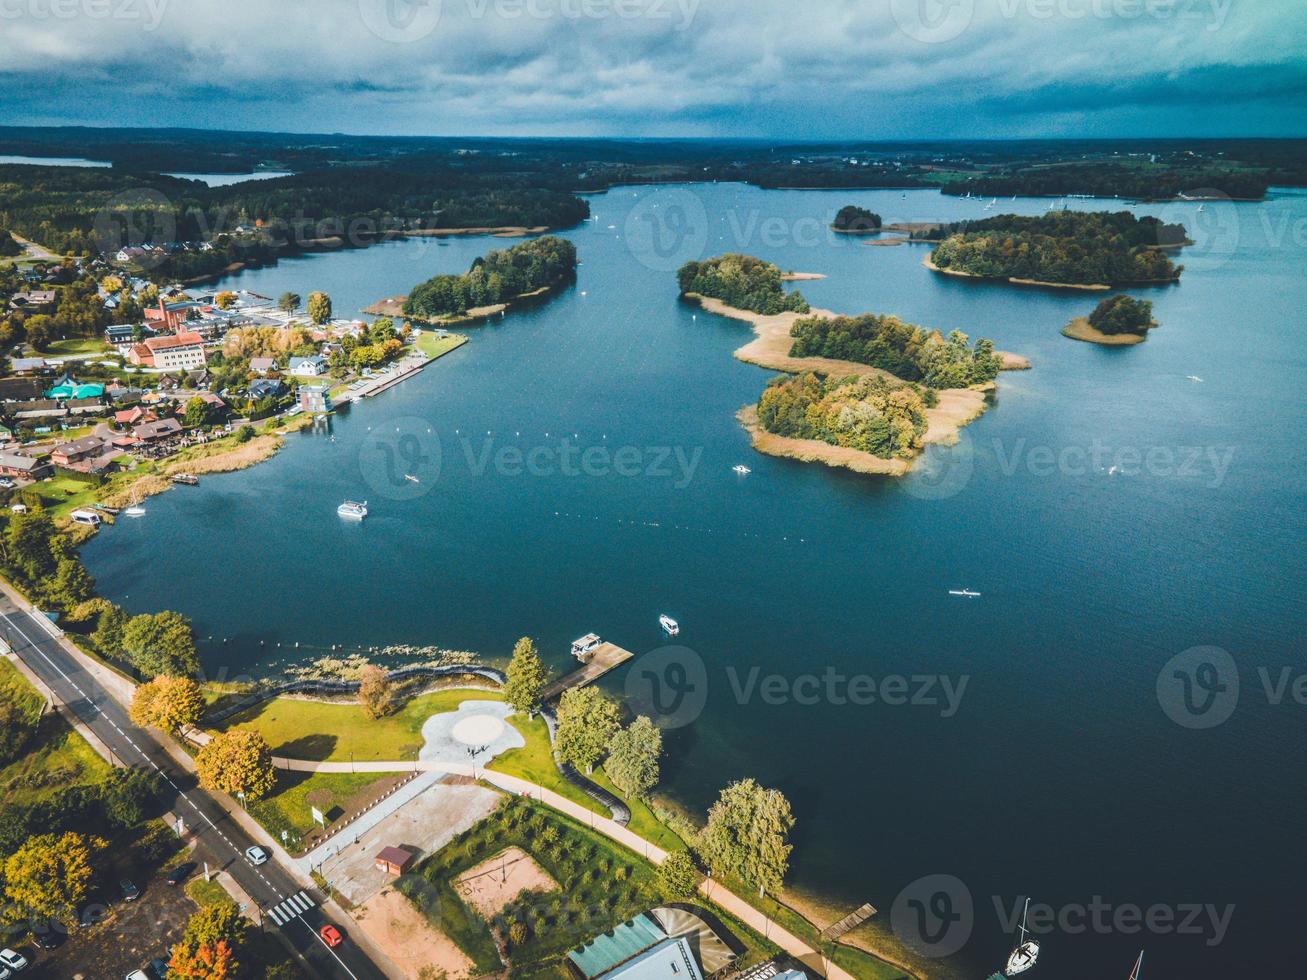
(1117, 321)
(869, 392)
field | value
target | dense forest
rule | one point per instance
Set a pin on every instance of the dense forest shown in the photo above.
(85, 211)
(902, 349)
(869, 413)
(1104, 179)
(8, 246)
(1060, 247)
(741, 281)
(854, 219)
(499, 276)
(1122, 314)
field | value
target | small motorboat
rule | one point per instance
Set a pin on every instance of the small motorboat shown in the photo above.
(670, 626)
(353, 510)
(964, 592)
(741, 469)
(411, 478)
(1192, 377)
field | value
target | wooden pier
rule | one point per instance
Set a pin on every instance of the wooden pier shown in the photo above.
(600, 660)
(849, 922)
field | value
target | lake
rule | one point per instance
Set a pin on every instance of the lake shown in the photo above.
(576, 474)
(213, 180)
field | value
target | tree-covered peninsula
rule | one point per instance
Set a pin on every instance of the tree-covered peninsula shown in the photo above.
(855, 220)
(870, 414)
(1073, 248)
(741, 281)
(498, 277)
(902, 349)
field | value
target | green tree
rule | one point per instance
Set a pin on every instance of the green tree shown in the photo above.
(27, 541)
(108, 633)
(220, 922)
(289, 302)
(677, 876)
(525, 678)
(319, 308)
(238, 761)
(197, 413)
(19, 716)
(633, 759)
(747, 835)
(48, 876)
(72, 582)
(161, 643)
(587, 722)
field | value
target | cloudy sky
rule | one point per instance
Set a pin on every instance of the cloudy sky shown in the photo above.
(788, 68)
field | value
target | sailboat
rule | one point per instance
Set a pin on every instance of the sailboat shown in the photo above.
(1139, 966)
(964, 592)
(134, 509)
(1023, 957)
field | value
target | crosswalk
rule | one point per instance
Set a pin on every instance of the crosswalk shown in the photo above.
(289, 908)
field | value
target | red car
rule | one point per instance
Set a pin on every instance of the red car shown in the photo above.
(331, 935)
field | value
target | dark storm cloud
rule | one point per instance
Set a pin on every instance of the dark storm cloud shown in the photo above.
(820, 68)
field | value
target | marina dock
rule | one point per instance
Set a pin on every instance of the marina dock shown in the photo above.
(602, 659)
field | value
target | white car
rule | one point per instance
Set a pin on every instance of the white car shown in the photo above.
(12, 961)
(138, 975)
(257, 855)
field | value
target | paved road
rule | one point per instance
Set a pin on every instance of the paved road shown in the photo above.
(286, 906)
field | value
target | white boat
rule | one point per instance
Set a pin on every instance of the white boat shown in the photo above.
(1192, 377)
(669, 625)
(741, 469)
(411, 478)
(966, 592)
(133, 508)
(1139, 967)
(1023, 957)
(1202, 208)
(353, 510)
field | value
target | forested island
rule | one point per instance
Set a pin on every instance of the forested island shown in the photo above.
(854, 220)
(903, 349)
(1062, 248)
(87, 211)
(741, 281)
(1115, 320)
(870, 414)
(500, 276)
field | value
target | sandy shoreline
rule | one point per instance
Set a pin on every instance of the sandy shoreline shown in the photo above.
(393, 307)
(798, 276)
(770, 349)
(1079, 329)
(504, 231)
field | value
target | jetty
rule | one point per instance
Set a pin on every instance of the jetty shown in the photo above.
(851, 921)
(596, 661)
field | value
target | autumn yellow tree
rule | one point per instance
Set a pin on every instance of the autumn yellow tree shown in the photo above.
(208, 961)
(376, 693)
(168, 703)
(236, 762)
(48, 876)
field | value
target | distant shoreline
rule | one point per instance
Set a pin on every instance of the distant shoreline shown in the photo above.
(1097, 287)
(393, 307)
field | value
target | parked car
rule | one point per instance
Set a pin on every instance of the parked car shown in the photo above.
(257, 855)
(180, 873)
(331, 935)
(138, 975)
(47, 935)
(11, 961)
(159, 968)
(129, 890)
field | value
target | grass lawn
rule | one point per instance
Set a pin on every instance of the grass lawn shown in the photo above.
(324, 731)
(204, 893)
(331, 792)
(643, 821)
(432, 346)
(77, 347)
(55, 758)
(534, 762)
(63, 494)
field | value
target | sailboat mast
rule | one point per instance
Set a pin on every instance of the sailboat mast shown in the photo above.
(1024, 912)
(1139, 963)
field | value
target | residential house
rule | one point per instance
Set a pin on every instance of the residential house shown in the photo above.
(34, 301)
(313, 366)
(16, 465)
(314, 399)
(121, 337)
(27, 365)
(39, 408)
(20, 389)
(183, 351)
(157, 431)
(267, 388)
(79, 450)
(132, 417)
(263, 365)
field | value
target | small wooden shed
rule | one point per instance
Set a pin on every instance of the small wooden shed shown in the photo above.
(393, 860)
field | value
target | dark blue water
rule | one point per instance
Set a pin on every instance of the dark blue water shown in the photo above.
(1060, 776)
